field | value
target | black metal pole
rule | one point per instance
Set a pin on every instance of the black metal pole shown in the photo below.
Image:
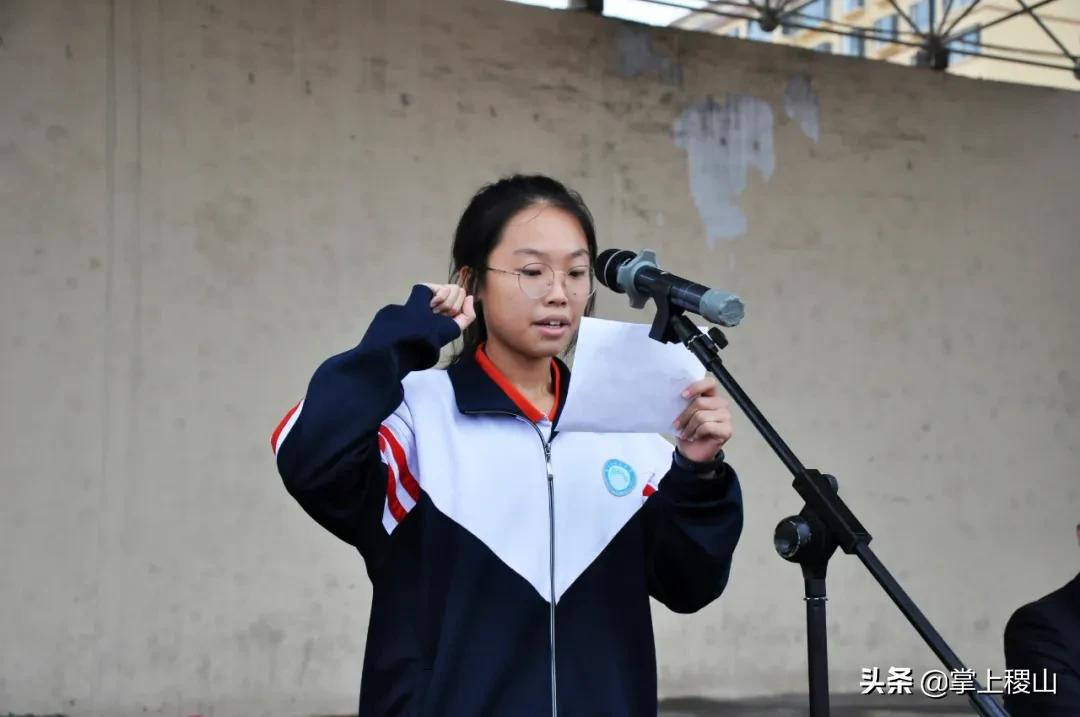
(817, 646)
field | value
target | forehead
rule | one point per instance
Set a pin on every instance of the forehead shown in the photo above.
(543, 232)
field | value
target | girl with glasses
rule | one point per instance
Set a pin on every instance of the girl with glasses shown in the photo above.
(511, 564)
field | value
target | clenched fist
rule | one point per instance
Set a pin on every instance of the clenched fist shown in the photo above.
(451, 300)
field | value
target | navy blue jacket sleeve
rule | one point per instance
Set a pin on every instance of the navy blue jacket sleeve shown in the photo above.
(329, 459)
(691, 528)
(1036, 639)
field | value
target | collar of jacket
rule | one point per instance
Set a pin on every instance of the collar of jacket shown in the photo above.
(477, 392)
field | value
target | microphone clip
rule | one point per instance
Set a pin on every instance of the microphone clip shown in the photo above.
(659, 291)
(629, 270)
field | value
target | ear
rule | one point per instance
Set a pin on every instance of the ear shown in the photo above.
(1078, 533)
(467, 278)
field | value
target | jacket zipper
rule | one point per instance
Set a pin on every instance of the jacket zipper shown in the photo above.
(551, 545)
(551, 564)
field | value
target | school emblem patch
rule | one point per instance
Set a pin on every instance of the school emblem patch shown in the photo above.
(619, 478)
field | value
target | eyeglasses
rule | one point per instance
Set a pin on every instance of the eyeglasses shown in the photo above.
(536, 280)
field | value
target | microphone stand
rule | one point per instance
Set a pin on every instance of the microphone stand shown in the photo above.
(824, 523)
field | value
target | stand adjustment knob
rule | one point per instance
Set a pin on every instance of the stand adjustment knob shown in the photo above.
(792, 534)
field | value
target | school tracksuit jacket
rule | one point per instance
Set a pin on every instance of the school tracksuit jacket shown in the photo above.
(511, 564)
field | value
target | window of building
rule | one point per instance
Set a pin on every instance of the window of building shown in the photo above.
(852, 5)
(823, 47)
(885, 31)
(817, 8)
(734, 32)
(809, 14)
(920, 15)
(854, 45)
(966, 45)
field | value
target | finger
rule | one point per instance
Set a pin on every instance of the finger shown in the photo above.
(446, 308)
(701, 403)
(699, 418)
(706, 386)
(467, 315)
(707, 430)
(713, 430)
(456, 300)
(683, 418)
(440, 295)
(692, 423)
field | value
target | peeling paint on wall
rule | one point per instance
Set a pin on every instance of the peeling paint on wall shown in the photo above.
(635, 56)
(801, 104)
(723, 142)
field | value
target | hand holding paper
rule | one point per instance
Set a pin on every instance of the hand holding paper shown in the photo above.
(625, 382)
(705, 425)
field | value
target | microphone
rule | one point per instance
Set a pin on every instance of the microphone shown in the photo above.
(624, 272)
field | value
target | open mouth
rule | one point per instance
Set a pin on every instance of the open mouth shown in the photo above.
(554, 328)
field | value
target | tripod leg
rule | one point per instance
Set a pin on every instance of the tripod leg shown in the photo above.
(817, 646)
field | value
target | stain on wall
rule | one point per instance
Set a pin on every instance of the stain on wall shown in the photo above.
(635, 56)
(723, 142)
(801, 105)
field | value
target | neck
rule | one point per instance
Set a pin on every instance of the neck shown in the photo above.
(530, 375)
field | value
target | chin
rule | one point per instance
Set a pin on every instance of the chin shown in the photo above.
(545, 349)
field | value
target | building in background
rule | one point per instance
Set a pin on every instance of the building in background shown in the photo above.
(990, 39)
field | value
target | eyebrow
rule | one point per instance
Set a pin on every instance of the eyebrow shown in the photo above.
(537, 252)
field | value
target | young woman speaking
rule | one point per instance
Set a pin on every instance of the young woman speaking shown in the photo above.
(511, 564)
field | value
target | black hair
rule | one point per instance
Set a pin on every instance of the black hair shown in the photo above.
(481, 226)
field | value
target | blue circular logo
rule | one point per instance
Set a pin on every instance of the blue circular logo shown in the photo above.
(619, 478)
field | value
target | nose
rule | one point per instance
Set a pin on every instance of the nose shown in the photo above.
(557, 292)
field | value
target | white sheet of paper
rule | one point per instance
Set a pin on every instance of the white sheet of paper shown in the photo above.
(624, 382)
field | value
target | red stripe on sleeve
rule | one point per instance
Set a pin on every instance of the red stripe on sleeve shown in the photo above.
(396, 508)
(407, 479)
(280, 427)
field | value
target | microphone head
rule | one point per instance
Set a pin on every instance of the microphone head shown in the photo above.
(722, 308)
(606, 267)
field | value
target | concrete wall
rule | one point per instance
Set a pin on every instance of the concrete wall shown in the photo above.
(200, 201)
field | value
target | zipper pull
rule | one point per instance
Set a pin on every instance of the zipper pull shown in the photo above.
(547, 460)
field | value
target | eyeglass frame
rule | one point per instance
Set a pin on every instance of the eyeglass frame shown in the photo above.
(554, 275)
